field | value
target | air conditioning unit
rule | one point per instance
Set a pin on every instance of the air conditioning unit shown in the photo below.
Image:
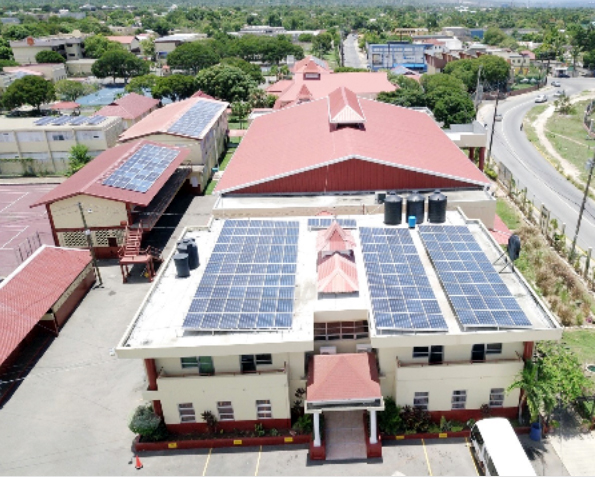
(328, 350)
(363, 348)
(380, 196)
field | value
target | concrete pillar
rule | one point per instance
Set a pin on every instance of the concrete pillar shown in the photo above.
(482, 156)
(373, 428)
(317, 429)
(471, 153)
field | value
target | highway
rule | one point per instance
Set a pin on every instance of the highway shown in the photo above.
(544, 183)
(351, 51)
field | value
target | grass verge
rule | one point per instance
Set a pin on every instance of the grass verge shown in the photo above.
(507, 213)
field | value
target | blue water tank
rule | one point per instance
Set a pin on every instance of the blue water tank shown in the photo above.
(412, 221)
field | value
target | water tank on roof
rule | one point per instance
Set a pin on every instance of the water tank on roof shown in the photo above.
(182, 268)
(415, 207)
(193, 261)
(393, 209)
(437, 208)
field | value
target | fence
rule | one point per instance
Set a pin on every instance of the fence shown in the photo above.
(553, 228)
(26, 248)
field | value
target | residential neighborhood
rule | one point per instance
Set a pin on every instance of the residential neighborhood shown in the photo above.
(295, 239)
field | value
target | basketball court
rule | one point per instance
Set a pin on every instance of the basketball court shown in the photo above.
(22, 229)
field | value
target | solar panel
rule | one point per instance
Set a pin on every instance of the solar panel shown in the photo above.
(249, 281)
(319, 62)
(94, 120)
(476, 291)
(142, 169)
(43, 121)
(402, 298)
(193, 122)
(325, 223)
(61, 120)
(78, 120)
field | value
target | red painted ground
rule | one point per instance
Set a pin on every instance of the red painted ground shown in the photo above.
(19, 224)
(500, 231)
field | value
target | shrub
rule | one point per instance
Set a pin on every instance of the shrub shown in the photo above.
(416, 419)
(305, 424)
(211, 420)
(146, 423)
(491, 173)
(389, 420)
(259, 430)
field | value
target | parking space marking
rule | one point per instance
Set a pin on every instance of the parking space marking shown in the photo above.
(471, 454)
(258, 461)
(427, 460)
(204, 471)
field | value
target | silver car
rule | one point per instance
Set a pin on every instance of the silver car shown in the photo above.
(542, 98)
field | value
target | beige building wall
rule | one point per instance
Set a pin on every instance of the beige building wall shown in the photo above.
(98, 212)
(26, 55)
(80, 67)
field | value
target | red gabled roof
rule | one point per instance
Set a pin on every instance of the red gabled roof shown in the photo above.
(279, 87)
(123, 39)
(343, 377)
(201, 94)
(298, 139)
(337, 273)
(301, 64)
(131, 106)
(334, 239)
(33, 288)
(304, 94)
(160, 120)
(65, 105)
(88, 181)
(344, 107)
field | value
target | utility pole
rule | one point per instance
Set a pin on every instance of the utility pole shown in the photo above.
(477, 89)
(90, 243)
(493, 125)
(591, 166)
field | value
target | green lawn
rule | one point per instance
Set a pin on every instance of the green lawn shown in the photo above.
(223, 164)
(507, 213)
(582, 343)
(574, 146)
(236, 125)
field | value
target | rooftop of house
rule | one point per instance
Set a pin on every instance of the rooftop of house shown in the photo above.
(182, 37)
(131, 106)
(154, 333)
(311, 135)
(39, 124)
(46, 41)
(192, 117)
(123, 39)
(133, 173)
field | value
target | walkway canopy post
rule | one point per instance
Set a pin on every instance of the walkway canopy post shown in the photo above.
(316, 429)
(373, 429)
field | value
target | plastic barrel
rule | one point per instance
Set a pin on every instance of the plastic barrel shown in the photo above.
(437, 208)
(415, 207)
(393, 209)
(182, 268)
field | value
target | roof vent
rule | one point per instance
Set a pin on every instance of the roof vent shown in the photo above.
(344, 107)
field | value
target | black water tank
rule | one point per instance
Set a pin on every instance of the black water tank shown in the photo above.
(437, 208)
(182, 247)
(393, 209)
(415, 207)
(182, 268)
(192, 254)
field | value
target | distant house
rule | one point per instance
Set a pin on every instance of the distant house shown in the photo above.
(167, 44)
(131, 108)
(50, 71)
(129, 42)
(397, 53)
(199, 123)
(70, 47)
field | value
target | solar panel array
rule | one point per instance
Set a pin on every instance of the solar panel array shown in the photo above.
(249, 281)
(401, 294)
(142, 169)
(69, 120)
(476, 291)
(193, 122)
(325, 223)
(319, 62)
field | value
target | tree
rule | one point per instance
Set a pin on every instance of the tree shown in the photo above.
(350, 69)
(96, 46)
(589, 60)
(6, 53)
(225, 82)
(174, 87)
(260, 99)
(119, 64)
(240, 109)
(32, 90)
(564, 106)
(4, 63)
(140, 84)
(147, 48)
(68, 90)
(465, 70)
(192, 57)
(495, 69)
(322, 44)
(247, 67)
(78, 158)
(452, 107)
(406, 97)
(493, 36)
(49, 57)
(146, 423)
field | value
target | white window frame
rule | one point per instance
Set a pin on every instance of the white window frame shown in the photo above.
(497, 397)
(459, 399)
(421, 399)
(263, 359)
(186, 412)
(493, 348)
(264, 410)
(225, 411)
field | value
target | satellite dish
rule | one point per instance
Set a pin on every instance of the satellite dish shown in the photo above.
(514, 247)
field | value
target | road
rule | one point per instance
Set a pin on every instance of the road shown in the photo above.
(544, 183)
(353, 57)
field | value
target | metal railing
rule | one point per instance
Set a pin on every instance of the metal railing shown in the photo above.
(518, 359)
(283, 370)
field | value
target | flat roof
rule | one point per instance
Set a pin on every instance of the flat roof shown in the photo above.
(28, 124)
(157, 333)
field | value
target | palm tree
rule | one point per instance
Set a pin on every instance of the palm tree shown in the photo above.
(537, 393)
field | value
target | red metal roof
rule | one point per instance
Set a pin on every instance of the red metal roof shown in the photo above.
(344, 107)
(33, 288)
(298, 139)
(201, 94)
(343, 377)
(88, 181)
(131, 106)
(334, 239)
(123, 39)
(65, 105)
(304, 93)
(279, 87)
(301, 64)
(337, 273)
(160, 120)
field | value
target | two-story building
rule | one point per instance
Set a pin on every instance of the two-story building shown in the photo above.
(397, 53)
(69, 46)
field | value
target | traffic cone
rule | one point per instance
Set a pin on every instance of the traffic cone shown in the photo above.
(138, 464)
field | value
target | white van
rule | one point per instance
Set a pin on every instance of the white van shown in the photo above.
(498, 449)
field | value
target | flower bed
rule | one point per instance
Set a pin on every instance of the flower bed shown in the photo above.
(442, 435)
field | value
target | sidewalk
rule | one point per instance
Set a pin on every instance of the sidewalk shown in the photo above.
(575, 448)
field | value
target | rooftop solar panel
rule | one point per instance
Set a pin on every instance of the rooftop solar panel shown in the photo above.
(93, 120)
(193, 122)
(142, 169)
(61, 120)
(43, 121)
(325, 223)
(250, 274)
(78, 120)
(402, 298)
(476, 291)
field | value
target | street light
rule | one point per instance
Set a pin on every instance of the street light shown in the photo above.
(590, 166)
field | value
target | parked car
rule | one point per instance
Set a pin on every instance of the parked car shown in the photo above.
(541, 98)
(498, 117)
(559, 93)
(563, 75)
(556, 84)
